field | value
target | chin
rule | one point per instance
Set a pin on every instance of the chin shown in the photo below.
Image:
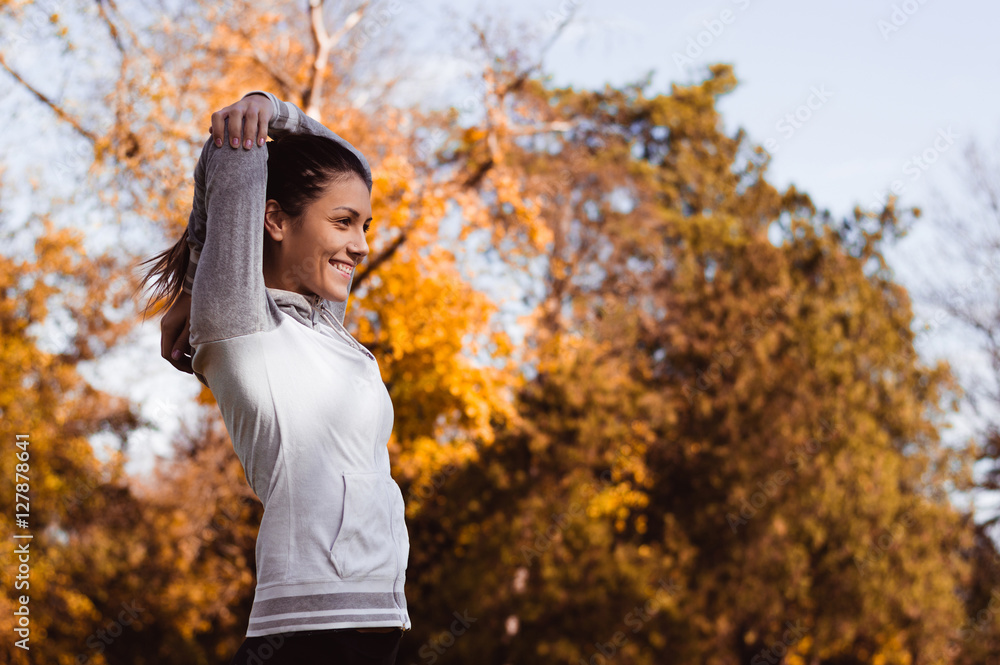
(333, 295)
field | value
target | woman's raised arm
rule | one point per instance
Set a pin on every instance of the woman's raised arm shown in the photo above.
(226, 237)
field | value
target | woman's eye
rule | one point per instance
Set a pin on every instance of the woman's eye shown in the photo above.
(366, 227)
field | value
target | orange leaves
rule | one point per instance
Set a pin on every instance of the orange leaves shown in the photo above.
(429, 327)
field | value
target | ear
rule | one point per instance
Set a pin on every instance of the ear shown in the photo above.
(276, 220)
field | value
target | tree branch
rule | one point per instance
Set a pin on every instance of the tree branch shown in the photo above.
(323, 42)
(380, 259)
(63, 115)
(253, 53)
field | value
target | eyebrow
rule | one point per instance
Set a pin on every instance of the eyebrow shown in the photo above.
(353, 212)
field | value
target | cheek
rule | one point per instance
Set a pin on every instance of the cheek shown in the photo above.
(304, 258)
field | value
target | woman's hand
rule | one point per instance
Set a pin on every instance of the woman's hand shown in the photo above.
(175, 333)
(248, 120)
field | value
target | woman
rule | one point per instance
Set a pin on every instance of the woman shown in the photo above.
(261, 281)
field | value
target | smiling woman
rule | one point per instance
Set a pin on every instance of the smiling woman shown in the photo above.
(260, 284)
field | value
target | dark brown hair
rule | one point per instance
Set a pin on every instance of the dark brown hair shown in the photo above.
(299, 168)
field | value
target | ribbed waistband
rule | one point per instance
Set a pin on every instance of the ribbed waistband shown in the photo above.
(327, 605)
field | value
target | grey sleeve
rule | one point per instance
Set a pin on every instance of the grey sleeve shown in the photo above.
(226, 233)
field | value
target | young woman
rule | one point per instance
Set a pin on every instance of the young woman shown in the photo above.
(260, 283)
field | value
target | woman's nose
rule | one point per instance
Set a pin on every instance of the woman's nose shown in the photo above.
(359, 245)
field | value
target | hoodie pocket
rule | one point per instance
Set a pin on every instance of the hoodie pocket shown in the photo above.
(364, 546)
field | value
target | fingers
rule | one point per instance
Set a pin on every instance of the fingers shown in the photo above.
(178, 354)
(247, 125)
(182, 363)
(175, 337)
(250, 128)
(219, 127)
(260, 106)
(261, 128)
(234, 118)
(181, 353)
(166, 341)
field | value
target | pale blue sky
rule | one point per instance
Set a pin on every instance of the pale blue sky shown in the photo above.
(890, 92)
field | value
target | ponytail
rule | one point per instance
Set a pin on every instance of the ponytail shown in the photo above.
(166, 278)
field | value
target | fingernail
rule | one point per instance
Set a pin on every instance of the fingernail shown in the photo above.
(176, 354)
(249, 143)
(236, 143)
(218, 143)
(260, 141)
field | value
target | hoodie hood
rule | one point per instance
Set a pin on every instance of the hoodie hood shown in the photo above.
(307, 310)
(325, 316)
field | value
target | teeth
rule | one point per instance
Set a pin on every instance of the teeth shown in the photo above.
(342, 267)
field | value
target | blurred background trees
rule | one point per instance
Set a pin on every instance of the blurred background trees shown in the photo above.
(706, 439)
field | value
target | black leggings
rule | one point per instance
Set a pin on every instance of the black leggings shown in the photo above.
(320, 647)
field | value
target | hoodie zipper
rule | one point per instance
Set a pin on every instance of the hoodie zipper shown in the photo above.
(339, 328)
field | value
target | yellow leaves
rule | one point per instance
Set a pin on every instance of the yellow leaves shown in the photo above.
(891, 650)
(430, 326)
(616, 501)
(799, 652)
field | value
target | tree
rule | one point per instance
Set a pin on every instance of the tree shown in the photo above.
(768, 440)
(46, 403)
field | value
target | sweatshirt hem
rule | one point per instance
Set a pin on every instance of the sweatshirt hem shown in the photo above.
(285, 607)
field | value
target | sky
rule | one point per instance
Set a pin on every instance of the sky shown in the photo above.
(849, 98)
(888, 81)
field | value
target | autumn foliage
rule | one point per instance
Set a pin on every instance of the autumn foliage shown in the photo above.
(704, 436)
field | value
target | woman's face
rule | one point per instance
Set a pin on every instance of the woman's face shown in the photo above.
(318, 255)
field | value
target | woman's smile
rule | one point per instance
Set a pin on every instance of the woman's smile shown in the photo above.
(342, 267)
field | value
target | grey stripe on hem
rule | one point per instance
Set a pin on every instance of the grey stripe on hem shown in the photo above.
(334, 618)
(352, 600)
